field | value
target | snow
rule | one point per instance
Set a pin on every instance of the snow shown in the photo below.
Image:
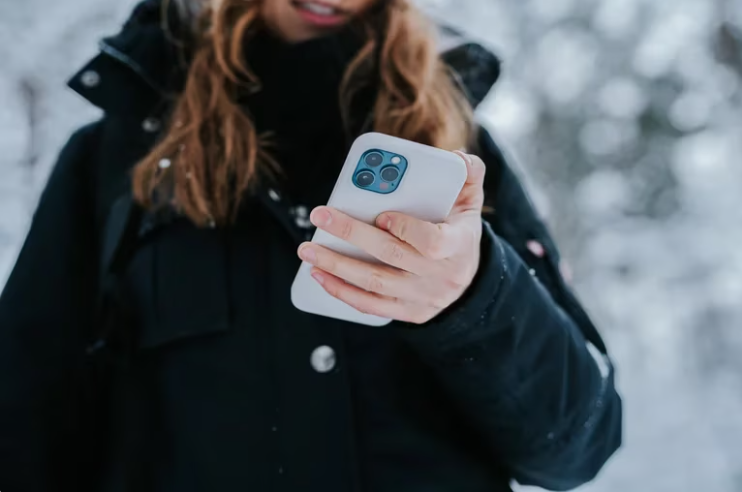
(625, 118)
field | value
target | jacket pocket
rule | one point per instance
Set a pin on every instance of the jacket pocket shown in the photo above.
(188, 288)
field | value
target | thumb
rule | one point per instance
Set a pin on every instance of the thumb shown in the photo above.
(471, 196)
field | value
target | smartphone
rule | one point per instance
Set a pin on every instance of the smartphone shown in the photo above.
(381, 174)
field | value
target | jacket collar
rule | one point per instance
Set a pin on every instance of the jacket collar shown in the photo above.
(139, 71)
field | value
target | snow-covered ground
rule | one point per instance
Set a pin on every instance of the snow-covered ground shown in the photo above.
(625, 116)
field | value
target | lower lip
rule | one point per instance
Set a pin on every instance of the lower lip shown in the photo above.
(320, 20)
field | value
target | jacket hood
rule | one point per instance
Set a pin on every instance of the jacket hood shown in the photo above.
(142, 68)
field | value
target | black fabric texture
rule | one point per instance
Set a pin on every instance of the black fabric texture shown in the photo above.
(218, 390)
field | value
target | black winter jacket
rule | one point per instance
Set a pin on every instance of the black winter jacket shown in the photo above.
(223, 385)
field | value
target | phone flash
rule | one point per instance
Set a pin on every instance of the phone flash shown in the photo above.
(384, 186)
(396, 160)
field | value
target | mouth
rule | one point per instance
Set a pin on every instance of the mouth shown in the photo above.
(320, 14)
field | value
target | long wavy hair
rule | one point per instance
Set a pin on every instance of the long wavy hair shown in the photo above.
(211, 149)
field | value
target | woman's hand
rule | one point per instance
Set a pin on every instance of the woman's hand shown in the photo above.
(427, 267)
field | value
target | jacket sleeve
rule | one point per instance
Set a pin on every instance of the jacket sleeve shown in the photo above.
(521, 356)
(46, 310)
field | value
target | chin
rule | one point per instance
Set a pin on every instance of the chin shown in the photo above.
(298, 31)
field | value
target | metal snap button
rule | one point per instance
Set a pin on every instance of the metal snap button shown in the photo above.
(274, 195)
(90, 78)
(151, 125)
(323, 359)
(303, 222)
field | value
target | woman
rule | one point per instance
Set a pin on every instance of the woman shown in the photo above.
(227, 123)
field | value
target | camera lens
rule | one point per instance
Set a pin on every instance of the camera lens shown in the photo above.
(373, 159)
(389, 174)
(365, 179)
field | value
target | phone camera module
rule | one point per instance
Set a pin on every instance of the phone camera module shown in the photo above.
(374, 159)
(364, 179)
(389, 174)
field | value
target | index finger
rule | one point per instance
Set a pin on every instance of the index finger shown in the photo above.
(379, 244)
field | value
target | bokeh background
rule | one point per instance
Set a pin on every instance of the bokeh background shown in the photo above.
(625, 119)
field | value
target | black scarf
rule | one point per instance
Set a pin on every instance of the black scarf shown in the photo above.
(298, 104)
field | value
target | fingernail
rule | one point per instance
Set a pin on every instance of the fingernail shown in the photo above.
(318, 277)
(320, 217)
(384, 222)
(307, 254)
(465, 156)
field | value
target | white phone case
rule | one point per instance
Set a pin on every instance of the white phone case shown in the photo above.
(428, 190)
